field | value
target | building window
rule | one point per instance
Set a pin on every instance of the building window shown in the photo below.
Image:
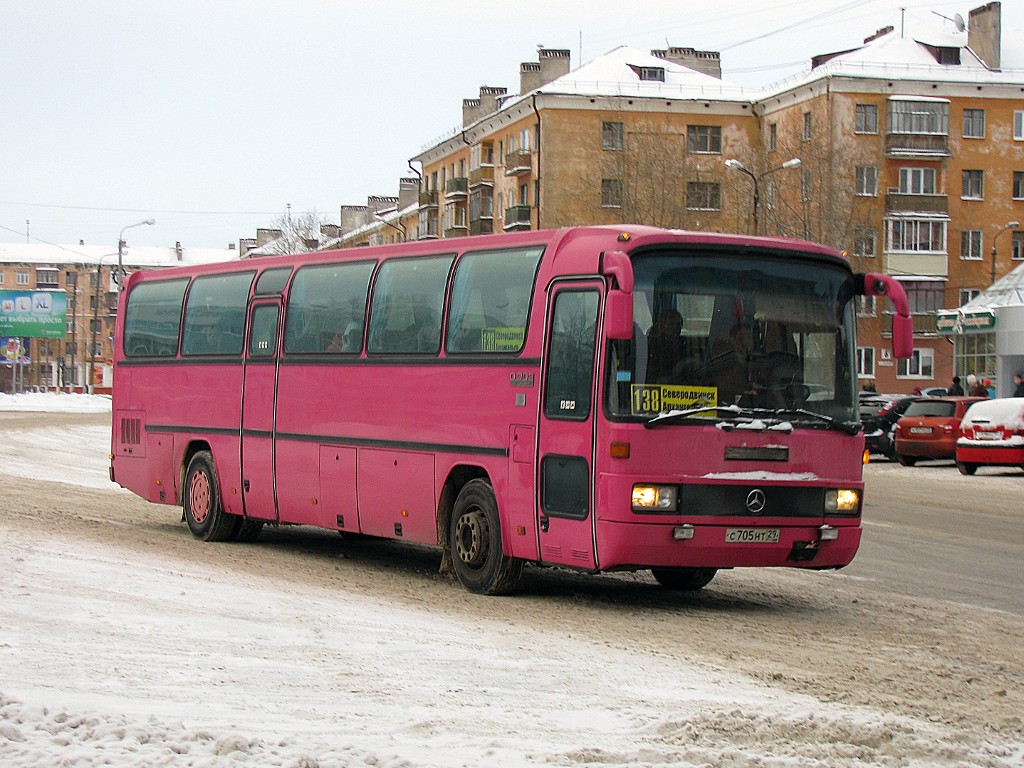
(925, 297)
(866, 119)
(1018, 185)
(917, 235)
(1017, 246)
(866, 362)
(1018, 125)
(866, 306)
(806, 185)
(974, 123)
(807, 126)
(703, 196)
(524, 194)
(704, 138)
(612, 136)
(973, 185)
(917, 181)
(611, 193)
(968, 294)
(773, 137)
(867, 180)
(927, 117)
(970, 244)
(864, 242)
(1, 278)
(653, 73)
(920, 365)
(21, 278)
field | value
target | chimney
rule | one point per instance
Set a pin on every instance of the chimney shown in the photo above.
(352, 217)
(706, 62)
(880, 33)
(231, 246)
(245, 245)
(266, 235)
(551, 64)
(408, 192)
(487, 103)
(984, 33)
(177, 250)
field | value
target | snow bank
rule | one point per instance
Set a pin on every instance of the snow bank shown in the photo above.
(55, 402)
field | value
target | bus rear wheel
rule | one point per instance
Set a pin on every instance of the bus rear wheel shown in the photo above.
(204, 514)
(684, 579)
(474, 536)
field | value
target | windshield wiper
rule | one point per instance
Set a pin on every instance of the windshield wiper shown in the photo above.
(769, 416)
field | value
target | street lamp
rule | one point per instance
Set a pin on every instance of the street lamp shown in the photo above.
(736, 165)
(120, 248)
(1009, 225)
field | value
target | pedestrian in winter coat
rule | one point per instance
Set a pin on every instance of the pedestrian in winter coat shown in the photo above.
(955, 388)
(1018, 381)
(975, 388)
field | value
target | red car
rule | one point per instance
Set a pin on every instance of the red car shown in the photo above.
(992, 434)
(929, 428)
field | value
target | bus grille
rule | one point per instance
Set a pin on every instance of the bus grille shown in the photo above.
(131, 431)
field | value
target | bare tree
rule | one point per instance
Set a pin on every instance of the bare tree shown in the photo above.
(299, 233)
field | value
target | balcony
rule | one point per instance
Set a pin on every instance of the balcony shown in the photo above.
(481, 227)
(924, 325)
(428, 199)
(481, 177)
(456, 188)
(518, 163)
(901, 202)
(917, 145)
(518, 217)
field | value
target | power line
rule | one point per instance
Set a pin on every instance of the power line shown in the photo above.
(141, 210)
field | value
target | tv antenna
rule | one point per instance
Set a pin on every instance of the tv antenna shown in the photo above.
(958, 20)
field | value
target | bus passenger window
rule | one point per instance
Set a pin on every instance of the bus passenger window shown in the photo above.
(405, 309)
(152, 317)
(326, 309)
(570, 364)
(215, 314)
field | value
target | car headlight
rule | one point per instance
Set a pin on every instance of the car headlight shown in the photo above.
(655, 498)
(842, 501)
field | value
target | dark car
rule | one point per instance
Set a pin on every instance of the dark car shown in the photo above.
(880, 428)
(929, 428)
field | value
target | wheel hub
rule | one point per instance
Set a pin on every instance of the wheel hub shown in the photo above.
(199, 497)
(471, 538)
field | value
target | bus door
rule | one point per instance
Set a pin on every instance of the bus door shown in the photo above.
(259, 388)
(566, 439)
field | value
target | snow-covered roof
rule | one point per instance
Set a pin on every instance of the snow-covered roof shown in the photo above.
(616, 73)
(43, 254)
(909, 57)
(386, 218)
(1008, 291)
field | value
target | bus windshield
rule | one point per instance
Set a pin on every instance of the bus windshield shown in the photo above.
(739, 331)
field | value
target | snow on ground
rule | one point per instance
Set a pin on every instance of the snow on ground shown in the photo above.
(54, 402)
(110, 659)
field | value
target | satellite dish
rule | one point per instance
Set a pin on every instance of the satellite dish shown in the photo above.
(958, 21)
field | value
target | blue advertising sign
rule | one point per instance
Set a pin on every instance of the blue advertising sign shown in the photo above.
(34, 314)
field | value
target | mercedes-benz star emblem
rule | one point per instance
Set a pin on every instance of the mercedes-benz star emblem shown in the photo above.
(755, 501)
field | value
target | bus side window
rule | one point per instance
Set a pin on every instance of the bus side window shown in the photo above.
(152, 317)
(215, 314)
(405, 309)
(491, 300)
(326, 309)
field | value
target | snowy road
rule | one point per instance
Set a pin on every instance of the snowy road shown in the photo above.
(125, 642)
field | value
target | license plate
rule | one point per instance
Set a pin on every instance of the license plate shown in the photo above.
(920, 430)
(752, 535)
(988, 436)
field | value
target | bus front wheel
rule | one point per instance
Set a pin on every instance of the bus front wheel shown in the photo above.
(474, 536)
(204, 514)
(685, 579)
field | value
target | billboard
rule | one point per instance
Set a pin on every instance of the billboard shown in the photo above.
(33, 314)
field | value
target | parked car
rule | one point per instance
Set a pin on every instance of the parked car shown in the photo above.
(880, 428)
(992, 435)
(929, 428)
(870, 403)
(934, 392)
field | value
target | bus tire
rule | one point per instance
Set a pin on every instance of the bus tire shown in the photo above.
(204, 514)
(684, 579)
(474, 536)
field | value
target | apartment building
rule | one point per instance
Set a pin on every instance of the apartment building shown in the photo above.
(85, 275)
(906, 151)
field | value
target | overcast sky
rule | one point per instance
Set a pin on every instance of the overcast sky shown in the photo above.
(213, 116)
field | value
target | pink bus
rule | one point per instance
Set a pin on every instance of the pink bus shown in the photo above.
(594, 398)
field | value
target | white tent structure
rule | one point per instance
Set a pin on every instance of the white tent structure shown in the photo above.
(988, 332)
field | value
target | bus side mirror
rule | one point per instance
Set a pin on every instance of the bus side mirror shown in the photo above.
(875, 284)
(618, 309)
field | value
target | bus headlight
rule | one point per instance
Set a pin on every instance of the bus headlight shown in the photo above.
(655, 498)
(842, 501)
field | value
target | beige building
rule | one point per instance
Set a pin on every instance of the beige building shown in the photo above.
(906, 151)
